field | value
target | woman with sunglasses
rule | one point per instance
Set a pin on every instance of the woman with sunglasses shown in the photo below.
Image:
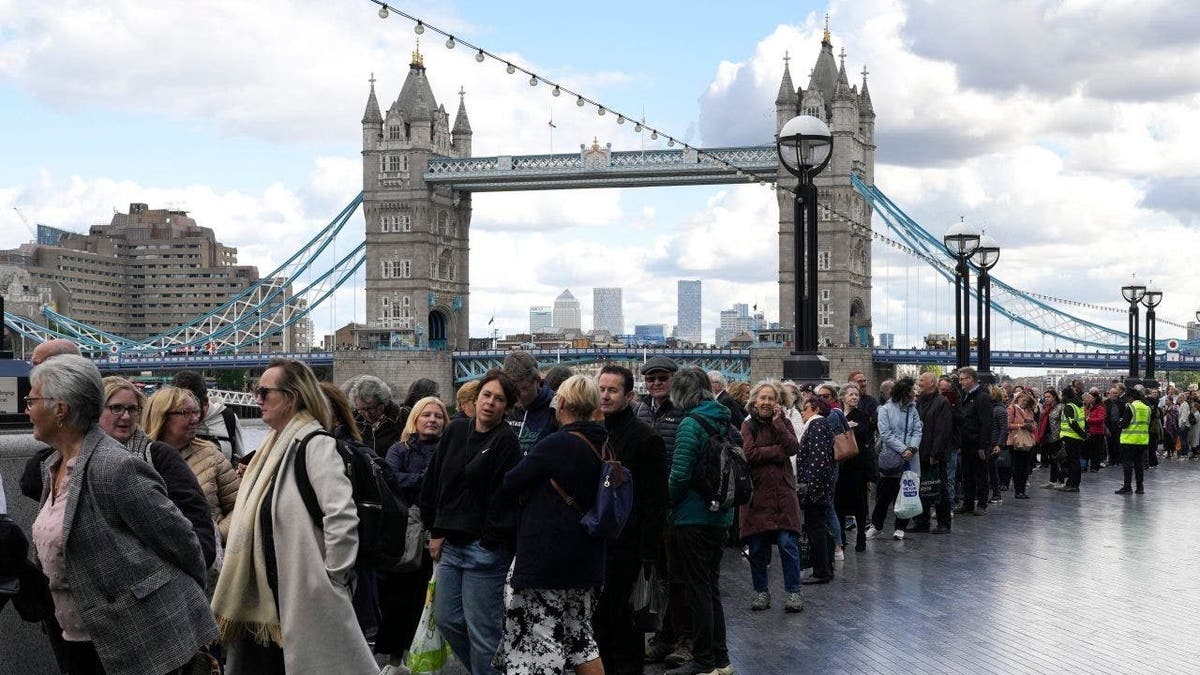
(172, 416)
(123, 405)
(124, 566)
(283, 602)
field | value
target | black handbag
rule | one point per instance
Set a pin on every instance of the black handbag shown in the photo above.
(931, 482)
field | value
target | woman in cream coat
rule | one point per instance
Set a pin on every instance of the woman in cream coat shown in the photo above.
(282, 602)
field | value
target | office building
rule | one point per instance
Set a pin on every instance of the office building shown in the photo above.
(650, 333)
(687, 325)
(887, 340)
(567, 315)
(541, 320)
(607, 310)
(736, 321)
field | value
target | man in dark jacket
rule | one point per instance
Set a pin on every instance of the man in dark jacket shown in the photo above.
(737, 412)
(532, 419)
(937, 440)
(1115, 406)
(656, 409)
(976, 438)
(379, 419)
(640, 544)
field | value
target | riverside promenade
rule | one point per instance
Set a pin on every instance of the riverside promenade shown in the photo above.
(1062, 583)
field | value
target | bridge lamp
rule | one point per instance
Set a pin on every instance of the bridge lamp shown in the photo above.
(805, 147)
(960, 241)
(1133, 293)
(985, 257)
(1151, 299)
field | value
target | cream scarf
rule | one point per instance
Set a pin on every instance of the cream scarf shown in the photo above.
(243, 600)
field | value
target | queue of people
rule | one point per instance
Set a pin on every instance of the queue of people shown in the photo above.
(147, 529)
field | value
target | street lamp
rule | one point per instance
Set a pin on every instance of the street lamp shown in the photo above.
(960, 241)
(805, 147)
(985, 257)
(1151, 299)
(1133, 292)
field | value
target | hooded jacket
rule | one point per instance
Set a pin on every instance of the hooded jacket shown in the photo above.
(217, 426)
(535, 422)
(691, 442)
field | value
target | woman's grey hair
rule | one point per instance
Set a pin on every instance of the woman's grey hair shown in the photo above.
(74, 380)
(773, 385)
(690, 387)
(371, 388)
(847, 388)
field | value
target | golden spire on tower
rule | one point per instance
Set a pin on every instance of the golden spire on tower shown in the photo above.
(417, 59)
(826, 38)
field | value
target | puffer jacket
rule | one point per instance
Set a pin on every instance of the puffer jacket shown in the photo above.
(664, 419)
(691, 442)
(217, 479)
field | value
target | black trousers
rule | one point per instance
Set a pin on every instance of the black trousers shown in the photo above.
(401, 601)
(975, 480)
(1152, 451)
(850, 499)
(1114, 448)
(1073, 447)
(939, 504)
(1022, 463)
(1133, 461)
(885, 496)
(820, 539)
(622, 648)
(1093, 450)
(678, 620)
(701, 546)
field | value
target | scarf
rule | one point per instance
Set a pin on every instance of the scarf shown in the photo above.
(243, 600)
(139, 444)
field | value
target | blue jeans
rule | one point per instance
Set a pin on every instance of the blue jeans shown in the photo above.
(468, 604)
(789, 559)
(951, 474)
(835, 525)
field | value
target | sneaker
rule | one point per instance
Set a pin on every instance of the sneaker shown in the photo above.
(872, 532)
(995, 500)
(851, 523)
(839, 554)
(690, 667)
(761, 601)
(1124, 491)
(682, 654)
(795, 603)
(898, 535)
(726, 669)
(940, 529)
(962, 510)
(1049, 485)
(1068, 489)
(657, 650)
(394, 670)
(1139, 491)
(1022, 495)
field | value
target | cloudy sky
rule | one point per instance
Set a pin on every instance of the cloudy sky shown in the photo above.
(1067, 129)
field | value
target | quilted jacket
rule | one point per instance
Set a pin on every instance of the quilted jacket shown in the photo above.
(217, 479)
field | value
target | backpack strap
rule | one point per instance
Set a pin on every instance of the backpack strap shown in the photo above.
(304, 483)
(231, 429)
(704, 424)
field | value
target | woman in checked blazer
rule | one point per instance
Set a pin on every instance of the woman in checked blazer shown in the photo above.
(125, 568)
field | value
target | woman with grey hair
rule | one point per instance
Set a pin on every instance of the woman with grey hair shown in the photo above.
(379, 419)
(699, 530)
(125, 568)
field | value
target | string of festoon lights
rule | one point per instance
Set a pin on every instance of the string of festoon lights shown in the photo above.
(482, 55)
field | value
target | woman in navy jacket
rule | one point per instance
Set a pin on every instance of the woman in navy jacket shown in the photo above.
(559, 566)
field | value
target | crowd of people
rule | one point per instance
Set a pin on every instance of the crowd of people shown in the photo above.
(165, 542)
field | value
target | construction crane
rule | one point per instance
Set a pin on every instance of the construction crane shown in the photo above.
(25, 220)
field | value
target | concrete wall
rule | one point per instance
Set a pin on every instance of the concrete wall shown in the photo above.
(399, 369)
(767, 363)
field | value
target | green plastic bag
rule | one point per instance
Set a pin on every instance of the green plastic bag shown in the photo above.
(429, 653)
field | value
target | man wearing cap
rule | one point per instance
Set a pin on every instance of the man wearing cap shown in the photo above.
(673, 644)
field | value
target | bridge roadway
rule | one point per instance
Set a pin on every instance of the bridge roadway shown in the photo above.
(1062, 583)
(734, 362)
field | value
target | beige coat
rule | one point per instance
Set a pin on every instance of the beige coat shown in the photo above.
(217, 479)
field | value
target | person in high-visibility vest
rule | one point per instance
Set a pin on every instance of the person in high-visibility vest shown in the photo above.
(1072, 430)
(1135, 437)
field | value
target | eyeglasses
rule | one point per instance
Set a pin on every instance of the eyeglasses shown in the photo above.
(261, 392)
(30, 399)
(118, 410)
(187, 413)
(657, 378)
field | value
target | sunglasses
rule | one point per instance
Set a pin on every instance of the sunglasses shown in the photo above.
(185, 413)
(657, 378)
(261, 392)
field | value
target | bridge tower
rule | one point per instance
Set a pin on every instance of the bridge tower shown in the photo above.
(844, 248)
(417, 277)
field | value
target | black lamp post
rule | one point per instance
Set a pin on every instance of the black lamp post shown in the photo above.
(1133, 292)
(805, 147)
(961, 240)
(1151, 299)
(985, 257)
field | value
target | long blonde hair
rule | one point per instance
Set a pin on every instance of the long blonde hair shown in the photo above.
(298, 382)
(410, 426)
(165, 400)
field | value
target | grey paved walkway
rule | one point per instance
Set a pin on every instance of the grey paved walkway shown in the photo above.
(1063, 583)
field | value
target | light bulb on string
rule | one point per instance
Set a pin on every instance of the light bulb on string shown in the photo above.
(620, 119)
(419, 28)
(450, 42)
(557, 91)
(510, 68)
(579, 101)
(600, 110)
(479, 56)
(653, 135)
(670, 142)
(383, 11)
(637, 127)
(533, 80)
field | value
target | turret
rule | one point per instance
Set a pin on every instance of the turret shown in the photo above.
(845, 104)
(787, 103)
(372, 138)
(461, 134)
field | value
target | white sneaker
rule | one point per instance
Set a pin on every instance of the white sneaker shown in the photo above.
(872, 532)
(394, 670)
(839, 554)
(898, 535)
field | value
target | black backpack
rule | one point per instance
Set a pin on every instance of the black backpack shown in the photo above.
(382, 516)
(722, 474)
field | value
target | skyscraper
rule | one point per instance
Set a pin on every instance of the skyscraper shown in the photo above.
(607, 311)
(687, 325)
(541, 320)
(567, 315)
